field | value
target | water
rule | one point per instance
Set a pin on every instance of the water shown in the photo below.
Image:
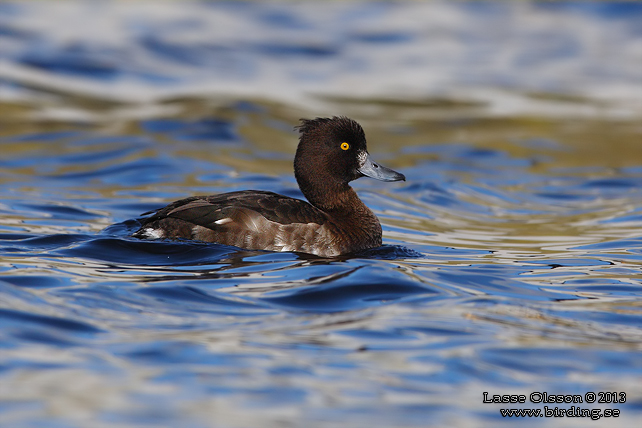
(512, 253)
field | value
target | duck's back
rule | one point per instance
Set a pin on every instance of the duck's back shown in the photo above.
(248, 219)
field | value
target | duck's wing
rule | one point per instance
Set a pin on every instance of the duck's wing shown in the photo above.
(216, 210)
(247, 219)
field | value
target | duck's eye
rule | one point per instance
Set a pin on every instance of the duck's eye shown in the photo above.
(345, 146)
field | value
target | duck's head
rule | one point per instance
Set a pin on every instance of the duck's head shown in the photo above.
(331, 153)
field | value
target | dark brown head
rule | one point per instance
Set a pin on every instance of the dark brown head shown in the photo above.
(331, 153)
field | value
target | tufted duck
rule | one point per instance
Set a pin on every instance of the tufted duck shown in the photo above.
(331, 153)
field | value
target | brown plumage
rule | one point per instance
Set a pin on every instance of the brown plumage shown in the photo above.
(331, 153)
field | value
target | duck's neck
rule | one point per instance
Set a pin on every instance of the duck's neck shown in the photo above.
(331, 196)
(343, 203)
(354, 221)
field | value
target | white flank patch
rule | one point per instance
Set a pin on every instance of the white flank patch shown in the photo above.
(151, 233)
(224, 220)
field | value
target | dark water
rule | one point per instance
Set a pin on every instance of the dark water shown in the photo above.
(512, 253)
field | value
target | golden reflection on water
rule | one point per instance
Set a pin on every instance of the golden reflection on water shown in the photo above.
(584, 142)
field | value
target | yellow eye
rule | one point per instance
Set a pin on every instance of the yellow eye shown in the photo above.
(345, 146)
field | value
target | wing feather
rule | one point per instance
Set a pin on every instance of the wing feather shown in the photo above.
(241, 207)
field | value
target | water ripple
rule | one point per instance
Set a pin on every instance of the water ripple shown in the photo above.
(511, 256)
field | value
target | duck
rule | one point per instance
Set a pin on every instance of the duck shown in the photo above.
(331, 152)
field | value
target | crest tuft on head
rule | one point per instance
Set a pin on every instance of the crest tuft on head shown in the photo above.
(340, 123)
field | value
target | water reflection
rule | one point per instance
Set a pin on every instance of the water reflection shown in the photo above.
(512, 254)
(497, 253)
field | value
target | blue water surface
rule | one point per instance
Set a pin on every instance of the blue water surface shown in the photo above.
(512, 253)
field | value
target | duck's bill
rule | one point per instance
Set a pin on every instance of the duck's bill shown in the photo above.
(374, 170)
